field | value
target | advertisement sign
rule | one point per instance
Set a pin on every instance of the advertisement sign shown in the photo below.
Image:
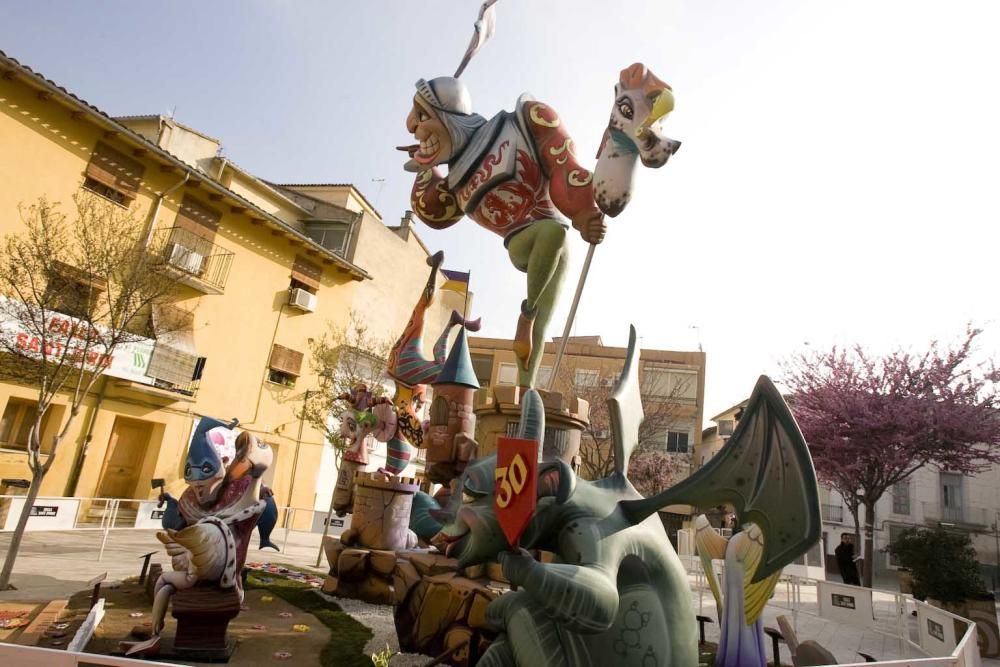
(845, 604)
(149, 515)
(937, 630)
(338, 524)
(45, 514)
(516, 484)
(74, 338)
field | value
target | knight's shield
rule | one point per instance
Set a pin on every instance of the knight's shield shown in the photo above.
(516, 485)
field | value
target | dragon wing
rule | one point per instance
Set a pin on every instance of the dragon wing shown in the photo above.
(765, 472)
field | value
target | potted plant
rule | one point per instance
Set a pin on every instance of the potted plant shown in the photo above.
(945, 573)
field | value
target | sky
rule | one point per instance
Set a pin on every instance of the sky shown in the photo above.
(838, 181)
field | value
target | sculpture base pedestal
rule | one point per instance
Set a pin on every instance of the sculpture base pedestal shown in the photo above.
(203, 614)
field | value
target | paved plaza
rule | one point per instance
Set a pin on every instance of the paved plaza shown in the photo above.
(58, 564)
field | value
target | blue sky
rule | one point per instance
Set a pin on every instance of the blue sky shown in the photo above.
(837, 181)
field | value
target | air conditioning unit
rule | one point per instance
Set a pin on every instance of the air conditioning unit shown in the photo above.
(607, 382)
(185, 259)
(603, 433)
(301, 299)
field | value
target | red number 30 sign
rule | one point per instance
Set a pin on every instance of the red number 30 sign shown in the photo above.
(516, 485)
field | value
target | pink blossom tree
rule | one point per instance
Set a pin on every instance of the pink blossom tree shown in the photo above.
(871, 421)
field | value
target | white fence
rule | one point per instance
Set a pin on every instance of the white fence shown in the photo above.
(110, 514)
(33, 656)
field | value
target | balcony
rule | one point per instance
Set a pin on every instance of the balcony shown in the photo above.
(832, 513)
(965, 516)
(193, 259)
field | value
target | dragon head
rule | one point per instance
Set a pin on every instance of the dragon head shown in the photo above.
(471, 532)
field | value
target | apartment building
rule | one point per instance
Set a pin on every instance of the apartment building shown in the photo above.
(672, 383)
(266, 269)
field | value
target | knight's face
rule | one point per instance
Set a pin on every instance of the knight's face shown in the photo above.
(435, 142)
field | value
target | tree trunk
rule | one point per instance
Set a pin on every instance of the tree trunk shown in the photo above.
(869, 551)
(22, 522)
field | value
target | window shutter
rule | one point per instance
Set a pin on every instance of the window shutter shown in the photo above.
(174, 358)
(306, 272)
(286, 360)
(197, 218)
(115, 170)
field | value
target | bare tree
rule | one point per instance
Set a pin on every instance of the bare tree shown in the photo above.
(345, 357)
(71, 293)
(664, 405)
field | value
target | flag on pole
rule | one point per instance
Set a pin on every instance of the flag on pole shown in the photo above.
(516, 484)
(485, 26)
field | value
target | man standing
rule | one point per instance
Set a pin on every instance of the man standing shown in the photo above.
(512, 174)
(845, 560)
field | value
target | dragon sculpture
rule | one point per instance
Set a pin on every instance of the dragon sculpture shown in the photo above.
(616, 592)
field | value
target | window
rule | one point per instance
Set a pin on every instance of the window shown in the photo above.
(306, 275)
(482, 364)
(726, 427)
(677, 441)
(507, 374)
(113, 175)
(331, 235)
(285, 365)
(901, 498)
(72, 291)
(198, 219)
(951, 496)
(670, 383)
(103, 190)
(18, 418)
(544, 377)
(584, 377)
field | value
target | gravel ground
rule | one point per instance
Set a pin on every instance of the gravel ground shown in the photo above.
(379, 619)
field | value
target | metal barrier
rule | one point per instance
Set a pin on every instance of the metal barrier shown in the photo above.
(940, 642)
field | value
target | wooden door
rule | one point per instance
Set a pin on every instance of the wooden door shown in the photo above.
(123, 463)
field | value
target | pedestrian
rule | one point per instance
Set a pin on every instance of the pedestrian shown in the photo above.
(845, 561)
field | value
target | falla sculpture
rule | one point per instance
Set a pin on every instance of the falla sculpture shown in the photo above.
(614, 591)
(207, 532)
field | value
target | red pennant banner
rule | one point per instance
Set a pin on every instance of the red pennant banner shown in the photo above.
(516, 485)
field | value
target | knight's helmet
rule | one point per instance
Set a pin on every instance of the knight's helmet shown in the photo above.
(451, 100)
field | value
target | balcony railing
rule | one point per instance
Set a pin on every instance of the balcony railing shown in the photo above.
(832, 513)
(197, 261)
(935, 513)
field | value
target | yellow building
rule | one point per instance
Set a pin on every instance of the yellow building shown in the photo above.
(266, 268)
(672, 385)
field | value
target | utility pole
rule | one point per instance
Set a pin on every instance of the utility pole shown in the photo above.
(295, 457)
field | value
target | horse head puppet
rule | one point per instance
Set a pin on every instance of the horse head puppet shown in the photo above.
(642, 100)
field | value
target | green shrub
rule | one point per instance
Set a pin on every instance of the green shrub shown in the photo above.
(943, 564)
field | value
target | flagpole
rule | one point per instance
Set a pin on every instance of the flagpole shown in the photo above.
(572, 315)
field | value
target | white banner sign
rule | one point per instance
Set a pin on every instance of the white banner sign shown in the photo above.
(128, 361)
(46, 513)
